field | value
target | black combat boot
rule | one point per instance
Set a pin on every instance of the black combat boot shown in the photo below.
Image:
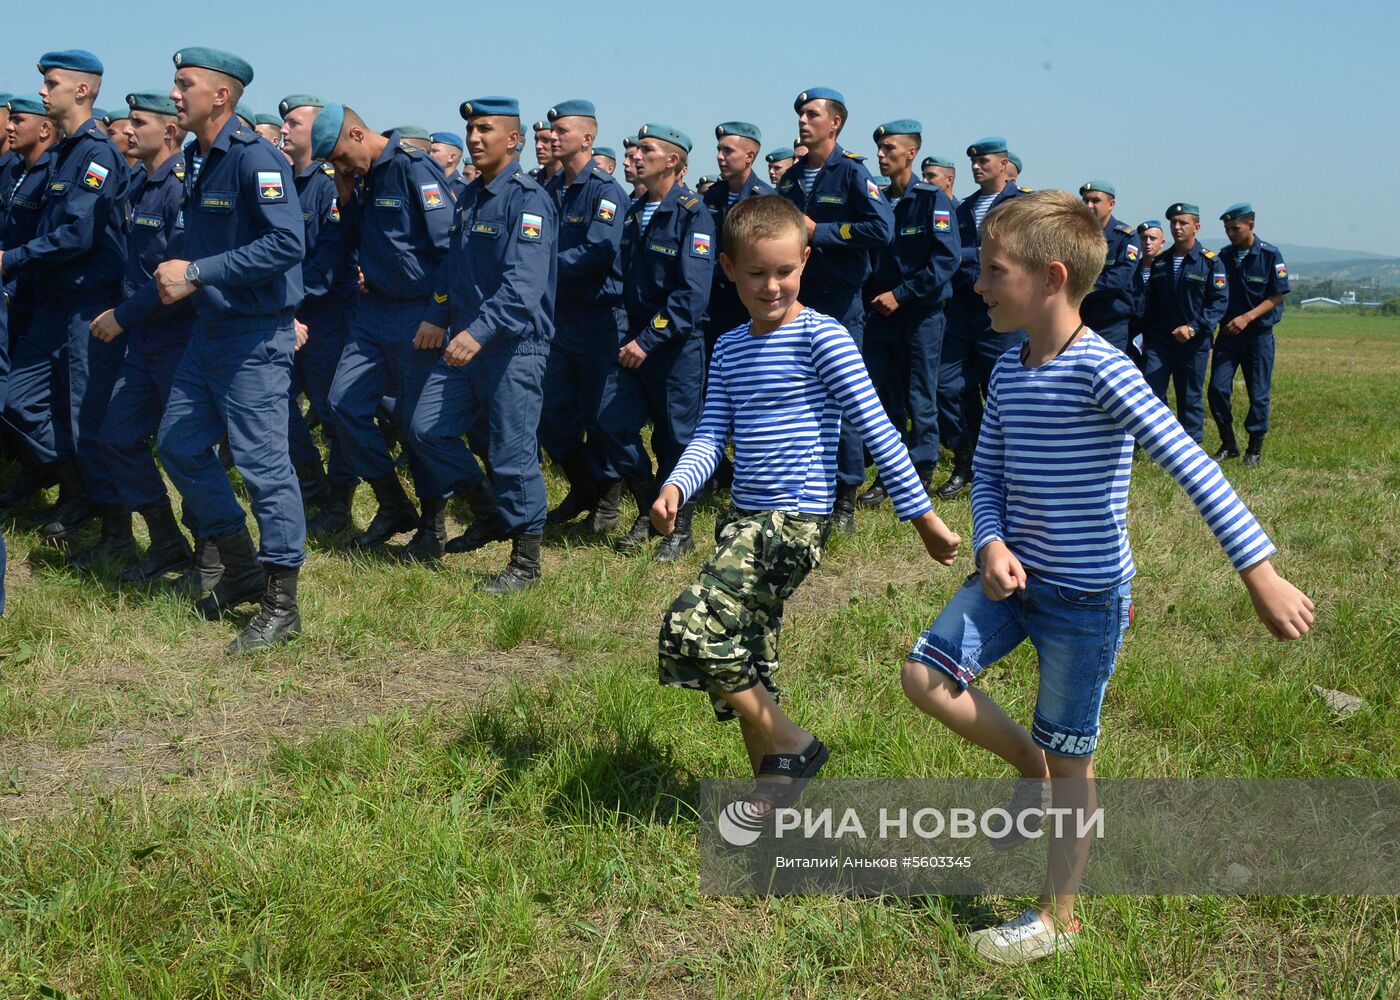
(644, 492)
(583, 491)
(1228, 449)
(278, 619)
(204, 570)
(116, 544)
(487, 524)
(428, 543)
(925, 474)
(242, 581)
(873, 497)
(608, 510)
(523, 570)
(67, 517)
(168, 551)
(960, 478)
(31, 479)
(1254, 453)
(843, 514)
(396, 513)
(334, 516)
(679, 541)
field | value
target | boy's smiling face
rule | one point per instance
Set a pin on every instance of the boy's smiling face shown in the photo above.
(1010, 290)
(767, 275)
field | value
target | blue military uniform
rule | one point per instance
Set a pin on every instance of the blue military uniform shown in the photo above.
(157, 336)
(1195, 296)
(1108, 309)
(852, 218)
(666, 269)
(62, 377)
(22, 190)
(497, 286)
(331, 285)
(1258, 274)
(401, 217)
(970, 345)
(243, 231)
(902, 350)
(589, 319)
(725, 311)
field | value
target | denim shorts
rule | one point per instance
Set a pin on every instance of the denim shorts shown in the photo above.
(1076, 635)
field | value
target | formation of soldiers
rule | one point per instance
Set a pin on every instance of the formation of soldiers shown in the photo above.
(180, 273)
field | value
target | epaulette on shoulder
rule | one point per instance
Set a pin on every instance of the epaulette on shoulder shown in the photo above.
(854, 156)
(524, 179)
(1268, 246)
(245, 135)
(1025, 190)
(1210, 254)
(410, 150)
(179, 171)
(1125, 229)
(327, 169)
(921, 186)
(688, 201)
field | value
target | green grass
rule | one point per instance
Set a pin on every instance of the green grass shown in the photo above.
(437, 793)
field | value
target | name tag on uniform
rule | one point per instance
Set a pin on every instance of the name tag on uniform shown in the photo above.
(486, 229)
(573, 220)
(662, 248)
(911, 231)
(831, 199)
(58, 186)
(1195, 277)
(150, 221)
(1257, 281)
(388, 203)
(216, 202)
(24, 203)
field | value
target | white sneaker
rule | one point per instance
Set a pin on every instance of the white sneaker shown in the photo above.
(1024, 939)
(1030, 793)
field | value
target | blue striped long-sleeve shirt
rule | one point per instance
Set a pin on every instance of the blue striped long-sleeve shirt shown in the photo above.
(782, 396)
(1051, 471)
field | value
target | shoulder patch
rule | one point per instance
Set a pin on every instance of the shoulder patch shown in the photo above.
(413, 151)
(607, 210)
(659, 322)
(689, 202)
(1025, 190)
(270, 186)
(871, 188)
(1210, 254)
(531, 226)
(179, 170)
(327, 169)
(854, 156)
(431, 195)
(95, 176)
(700, 245)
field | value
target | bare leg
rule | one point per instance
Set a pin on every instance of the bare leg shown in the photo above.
(974, 716)
(1073, 784)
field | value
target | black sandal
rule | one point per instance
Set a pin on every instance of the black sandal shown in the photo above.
(800, 767)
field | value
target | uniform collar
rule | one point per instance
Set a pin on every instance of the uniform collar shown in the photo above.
(1113, 223)
(837, 153)
(225, 137)
(1231, 250)
(504, 177)
(88, 129)
(391, 147)
(315, 166)
(162, 172)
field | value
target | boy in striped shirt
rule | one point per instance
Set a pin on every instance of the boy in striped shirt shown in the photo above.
(780, 385)
(1049, 514)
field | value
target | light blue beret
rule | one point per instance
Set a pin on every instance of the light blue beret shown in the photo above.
(607, 151)
(1183, 208)
(325, 130)
(291, 102)
(448, 139)
(817, 94)
(900, 126)
(1236, 211)
(26, 104)
(570, 109)
(77, 60)
(937, 161)
(781, 153)
(485, 106)
(744, 130)
(217, 60)
(666, 133)
(153, 101)
(1105, 186)
(991, 144)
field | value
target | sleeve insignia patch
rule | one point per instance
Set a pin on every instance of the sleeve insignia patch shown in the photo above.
(269, 185)
(531, 226)
(96, 176)
(700, 245)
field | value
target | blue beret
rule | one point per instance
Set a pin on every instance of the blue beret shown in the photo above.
(325, 130)
(744, 130)
(99, 115)
(937, 161)
(607, 151)
(217, 60)
(1105, 186)
(540, 126)
(900, 126)
(569, 109)
(116, 115)
(708, 179)
(265, 119)
(1015, 161)
(448, 139)
(412, 132)
(991, 144)
(1151, 224)
(817, 94)
(1183, 208)
(5, 96)
(291, 102)
(246, 113)
(1236, 211)
(153, 101)
(629, 141)
(666, 133)
(483, 106)
(781, 153)
(78, 60)
(26, 104)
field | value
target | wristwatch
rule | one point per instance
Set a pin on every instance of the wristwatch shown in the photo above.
(192, 273)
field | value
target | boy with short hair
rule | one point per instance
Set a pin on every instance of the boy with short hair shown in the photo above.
(1049, 510)
(780, 384)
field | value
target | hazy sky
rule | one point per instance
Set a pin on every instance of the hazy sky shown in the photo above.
(1286, 105)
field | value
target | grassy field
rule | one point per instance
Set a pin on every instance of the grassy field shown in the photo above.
(437, 793)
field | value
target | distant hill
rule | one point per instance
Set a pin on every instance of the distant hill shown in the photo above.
(1384, 271)
(1296, 254)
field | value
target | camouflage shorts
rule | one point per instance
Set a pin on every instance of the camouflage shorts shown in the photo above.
(721, 633)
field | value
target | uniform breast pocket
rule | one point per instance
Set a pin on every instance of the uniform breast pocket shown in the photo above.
(483, 237)
(218, 202)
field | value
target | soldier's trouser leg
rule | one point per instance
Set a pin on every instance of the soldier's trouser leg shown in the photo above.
(844, 306)
(1225, 360)
(133, 418)
(1117, 335)
(884, 352)
(623, 410)
(317, 362)
(1190, 375)
(675, 399)
(236, 384)
(925, 347)
(91, 371)
(29, 399)
(1258, 379)
(954, 364)
(985, 351)
(564, 414)
(1156, 364)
